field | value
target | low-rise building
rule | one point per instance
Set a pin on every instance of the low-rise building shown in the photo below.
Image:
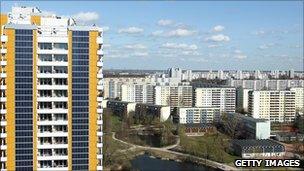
(120, 108)
(155, 111)
(204, 115)
(288, 136)
(257, 148)
(139, 110)
(252, 128)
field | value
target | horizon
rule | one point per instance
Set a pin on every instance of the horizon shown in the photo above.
(195, 35)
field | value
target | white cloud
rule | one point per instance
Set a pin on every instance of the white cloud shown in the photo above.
(240, 56)
(237, 51)
(214, 46)
(192, 53)
(135, 46)
(182, 46)
(157, 33)
(131, 30)
(140, 54)
(218, 38)
(165, 22)
(86, 17)
(218, 28)
(180, 32)
(259, 32)
(266, 46)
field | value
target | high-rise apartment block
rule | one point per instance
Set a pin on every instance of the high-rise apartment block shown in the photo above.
(223, 98)
(51, 92)
(139, 93)
(276, 106)
(173, 96)
(299, 98)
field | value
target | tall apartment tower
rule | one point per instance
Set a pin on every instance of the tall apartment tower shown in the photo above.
(276, 106)
(223, 98)
(173, 96)
(51, 92)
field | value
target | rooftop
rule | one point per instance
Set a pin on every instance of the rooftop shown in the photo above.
(253, 142)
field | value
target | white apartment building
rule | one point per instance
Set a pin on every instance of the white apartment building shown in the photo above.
(223, 98)
(299, 98)
(242, 98)
(187, 75)
(139, 93)
(276, 106)
(112, 86)
(204, 115)
(173, 96)
(51, 92)
(175, 73)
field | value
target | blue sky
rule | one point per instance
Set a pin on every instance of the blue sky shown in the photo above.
(191, 35)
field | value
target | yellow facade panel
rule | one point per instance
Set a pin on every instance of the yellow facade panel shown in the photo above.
(10, 103)
(93, 46)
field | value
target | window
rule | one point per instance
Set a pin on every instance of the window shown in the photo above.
(45, 46)
(63, 46)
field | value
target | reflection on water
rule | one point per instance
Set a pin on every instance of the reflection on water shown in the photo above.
(145, 163)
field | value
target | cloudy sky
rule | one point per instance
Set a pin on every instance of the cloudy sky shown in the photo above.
(191, 35)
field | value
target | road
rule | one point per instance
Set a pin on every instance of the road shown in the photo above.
(167, 150)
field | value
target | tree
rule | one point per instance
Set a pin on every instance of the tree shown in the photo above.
(299, 123)
(231, 125)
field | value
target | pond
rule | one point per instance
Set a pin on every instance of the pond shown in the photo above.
(146, 163)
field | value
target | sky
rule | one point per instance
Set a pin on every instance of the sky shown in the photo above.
(231, 35)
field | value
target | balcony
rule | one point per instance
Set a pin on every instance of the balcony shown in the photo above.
(100, 52)
(99, 87)
(52, 99)
(99, 75)
(99, 99)
(3, 123)
(52, 75)
(99, 63)
(41, 158)
(52, 87)
(52, 63)
(4, 38)
(100, 110)
(99, 168)
(52, 51)
(55, 168)
(3, 135)
(3, 63)
(52, 134)
(99, 40)
(2, 99)
(3, 51)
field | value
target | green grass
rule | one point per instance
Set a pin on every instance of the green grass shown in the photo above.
(210, 146)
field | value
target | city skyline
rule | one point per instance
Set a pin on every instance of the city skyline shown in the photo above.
(192, 35)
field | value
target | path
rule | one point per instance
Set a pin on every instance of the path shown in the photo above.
(167, 150)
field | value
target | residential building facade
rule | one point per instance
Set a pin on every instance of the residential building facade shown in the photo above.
(173, 96)
(223, 98)
(276, 106)
(203, 115)
(51, 92)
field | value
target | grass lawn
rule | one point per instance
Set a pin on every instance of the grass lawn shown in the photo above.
(210, 146)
